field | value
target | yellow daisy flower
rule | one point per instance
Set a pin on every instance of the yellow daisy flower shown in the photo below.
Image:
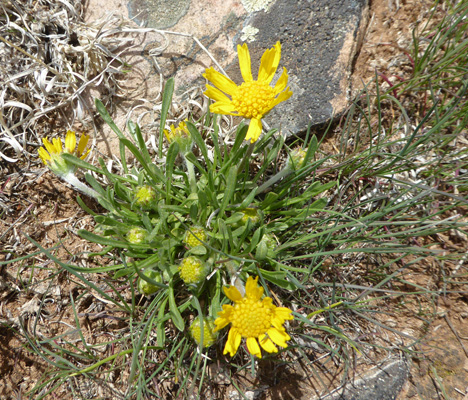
(253, 319)
(51, 155)
(252, 99)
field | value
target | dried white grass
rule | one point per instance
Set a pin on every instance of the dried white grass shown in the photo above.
(49, 62)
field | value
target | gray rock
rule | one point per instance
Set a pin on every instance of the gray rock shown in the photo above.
(382, 383)
(319, 40)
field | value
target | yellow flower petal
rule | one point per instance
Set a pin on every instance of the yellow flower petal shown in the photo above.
(49, 146)
(233, 342)
(282, 82)
(232, 293)
(224, 317)
(216, 94)
(85, 154)
(253, 347)
(57, 144)
(221, 107)
(278, 337)
(269, 63)
(82, 146)
(70, 142)
(252, 290)
(283, 313)
(220, 81)
(244, 62)
(255, 130)
(282, 97)
(44, 155)
(267, 344)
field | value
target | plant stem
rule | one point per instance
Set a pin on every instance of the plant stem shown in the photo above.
(191, 176)
(80, 186)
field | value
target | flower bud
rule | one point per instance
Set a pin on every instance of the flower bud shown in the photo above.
(145, 197)
(266, 247)
(52, 153)
(296, 159)
(195, 236)
(181, 136)
(254, 214)
(136, 235)
(209, 336)
(192, 270)
(147, 288)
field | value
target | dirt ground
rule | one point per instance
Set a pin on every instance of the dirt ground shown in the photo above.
(35, 203)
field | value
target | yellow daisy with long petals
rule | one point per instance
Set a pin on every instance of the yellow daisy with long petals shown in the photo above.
(259, 321)
(51, 153)
(252, 99)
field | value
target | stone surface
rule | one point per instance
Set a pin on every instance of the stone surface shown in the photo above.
(382, 383)
(319, 40)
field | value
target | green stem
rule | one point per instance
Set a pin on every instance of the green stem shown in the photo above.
(191, 176)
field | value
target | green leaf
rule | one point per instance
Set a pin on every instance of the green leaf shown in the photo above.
(248, 200)
(152, 171)
(166, 103)
(92, 237)
(199, 250)
(261, 251)
(95, 185)
(277, 278)
(231, 181)
(134, 129)
(107, 118)
(174, 310)
(313, 145)
(85, 207)
(197, 138)
(170, 162)
(70, 158)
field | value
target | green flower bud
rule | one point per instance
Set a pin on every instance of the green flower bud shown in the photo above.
(254, 214)
(192, 270)
(145, 197)
(270, 241)
(195, 236)
(266, 247)
(296, 159)
(147, 288)
(209, 336)
(137, 235)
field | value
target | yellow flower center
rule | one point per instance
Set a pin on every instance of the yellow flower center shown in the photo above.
(253, 99)
(251, 318)
(193, 239)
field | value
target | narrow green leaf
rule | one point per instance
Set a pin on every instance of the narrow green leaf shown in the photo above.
(231, 181)
(197, 138)
(107, 118)
(174, 310)
(166, 103)
(134, 129)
